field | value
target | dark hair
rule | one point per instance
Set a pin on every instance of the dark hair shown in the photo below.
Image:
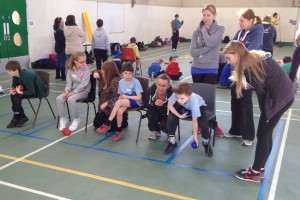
(183, 88)
(70, 21)
(127, 66)
(171, 58)
(133, 40)
(287, 59)
(176, 15)
(99, 23)
(110, 70)
(275, 14)
(13, 65)
(267, 18)
(56, 24)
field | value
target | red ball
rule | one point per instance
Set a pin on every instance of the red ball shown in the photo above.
(66, 132)
(13, 89)
(21, 87)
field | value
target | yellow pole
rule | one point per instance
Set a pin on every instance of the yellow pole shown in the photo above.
(87, 25)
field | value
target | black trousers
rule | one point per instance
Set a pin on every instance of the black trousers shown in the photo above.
(204, 78)
(202, 122)
(295, 63)
(157, 121)
(175, 39)
(16, 101)
(264, 137)
(101, 56)
(242, 122)
(175, 77)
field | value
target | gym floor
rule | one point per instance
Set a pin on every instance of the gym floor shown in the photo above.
(39, 162)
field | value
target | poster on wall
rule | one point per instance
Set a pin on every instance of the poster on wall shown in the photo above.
(112, 16)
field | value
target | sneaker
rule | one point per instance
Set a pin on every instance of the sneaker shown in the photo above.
(103, 129)
(262, 172)
(174, 49)
(208, 151)
(62, 123)
(247, 143)
(170, 148)
(74, 124)
(248, 175)
(12, 124)
(117, 136)
(153, 135)
(22, 121)
(1, 92)
(229, 135)
(219, 131)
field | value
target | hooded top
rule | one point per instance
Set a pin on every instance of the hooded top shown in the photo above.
(60, 41)
(205, 46)
(173, 69)
(100, 40)
(78, 80)
(252, 39)
(269, 38)
(73, 35)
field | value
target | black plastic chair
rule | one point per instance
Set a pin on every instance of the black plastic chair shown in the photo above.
(45, 77)
(145, 84)
(90, 99)
(208, 93)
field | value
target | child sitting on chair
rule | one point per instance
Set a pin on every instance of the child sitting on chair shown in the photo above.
(77, 88)
(130, 91)
(182, 104)
(155, 68)
(173, 69)
(133, 45)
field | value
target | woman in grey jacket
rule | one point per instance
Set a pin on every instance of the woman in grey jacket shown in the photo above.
(205, 45)
(275, 93)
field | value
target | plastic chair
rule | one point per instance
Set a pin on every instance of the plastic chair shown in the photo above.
(145, 84)
(208, 93)
(90, 99)
(45, 77)
(128, 56)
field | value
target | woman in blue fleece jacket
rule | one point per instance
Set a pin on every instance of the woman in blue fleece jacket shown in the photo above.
(251, 35)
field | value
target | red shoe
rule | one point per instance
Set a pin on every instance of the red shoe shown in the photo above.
(248, 175)
(219, 132)
(199, 131)
(117, 136)
(103, 129)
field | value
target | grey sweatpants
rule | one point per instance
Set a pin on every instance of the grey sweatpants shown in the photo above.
(61, 101)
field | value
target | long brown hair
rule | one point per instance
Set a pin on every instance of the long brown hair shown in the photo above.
(249, 14)
(110, 71)
(253, 61)
(74, 56)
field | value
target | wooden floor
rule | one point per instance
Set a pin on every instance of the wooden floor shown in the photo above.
(38, 162)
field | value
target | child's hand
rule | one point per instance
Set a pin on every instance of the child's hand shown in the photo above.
(185, 115)
(18, 90)
(12, 91)
(159, 102)
(196, 140)
(96, 75)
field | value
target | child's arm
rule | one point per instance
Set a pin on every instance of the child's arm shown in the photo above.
(195, 129)
(174, 111)
(136, 98)
(84, 82)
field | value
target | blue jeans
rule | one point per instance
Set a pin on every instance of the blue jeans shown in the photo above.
(61, 60)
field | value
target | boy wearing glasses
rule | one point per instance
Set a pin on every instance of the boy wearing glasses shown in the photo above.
(77, 88)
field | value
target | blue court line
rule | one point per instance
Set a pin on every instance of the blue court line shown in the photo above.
(181, 148)
(271, 161)
(41, 129)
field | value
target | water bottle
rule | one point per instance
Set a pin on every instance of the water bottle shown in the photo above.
(152, 76)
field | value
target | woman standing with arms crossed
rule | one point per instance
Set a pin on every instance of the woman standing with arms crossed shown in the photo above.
(275, 93)
(205, 45)
(242, 123)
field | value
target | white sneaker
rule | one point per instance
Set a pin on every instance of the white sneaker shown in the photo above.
(62, 123)
(153, 135)
(74, 124)
(172, 140)
(247, 143)
(228, 135)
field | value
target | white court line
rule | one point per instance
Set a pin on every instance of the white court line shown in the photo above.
(57, 84)
(32, 191)
(230, 102)
(56, 91)
(41, 149)
(279, 158)
(4, 95)
(185, 78)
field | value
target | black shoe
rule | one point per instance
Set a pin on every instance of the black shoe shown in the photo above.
(13, 123)
(57, 77)
(1, 92)
(63, 79)
(22, 121)
(170, 148)
(208, 151)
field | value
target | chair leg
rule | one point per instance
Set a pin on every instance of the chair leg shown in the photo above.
(94, 108)
(50, 107)
(68, 111)
(38, 109)
(178, 130)
(57, 121)
(87, 116)
(31, 106)
(138, 133)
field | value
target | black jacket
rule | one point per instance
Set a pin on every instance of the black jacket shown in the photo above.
(60, 41)
(150, 100)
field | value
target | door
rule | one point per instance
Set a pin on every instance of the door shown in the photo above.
(13, 33)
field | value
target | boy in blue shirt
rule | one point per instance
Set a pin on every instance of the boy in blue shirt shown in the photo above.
(194, 107)
(155, 68)
(130, 91)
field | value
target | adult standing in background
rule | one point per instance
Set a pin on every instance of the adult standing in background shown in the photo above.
(270, 35)
(205, 45)
(296, 57)
(100, 44)
(242, 123)
(175, 25)
(74, 36)
(60, 46)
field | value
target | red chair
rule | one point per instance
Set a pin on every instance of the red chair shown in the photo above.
(128, 56)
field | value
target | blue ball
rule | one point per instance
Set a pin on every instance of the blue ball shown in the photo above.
(194, 145)
(183, 111)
